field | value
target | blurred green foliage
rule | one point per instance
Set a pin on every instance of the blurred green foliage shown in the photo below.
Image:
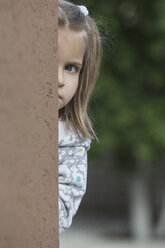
(128, 104)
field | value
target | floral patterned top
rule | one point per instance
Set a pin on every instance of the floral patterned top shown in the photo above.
(72, 174)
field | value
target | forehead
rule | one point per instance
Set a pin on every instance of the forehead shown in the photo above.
(71, 44)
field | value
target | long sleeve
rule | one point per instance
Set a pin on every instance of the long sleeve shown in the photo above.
(72, 176)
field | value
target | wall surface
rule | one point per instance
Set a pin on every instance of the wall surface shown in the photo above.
(28, 124)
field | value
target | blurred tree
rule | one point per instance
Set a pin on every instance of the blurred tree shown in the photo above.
(130, 93)
(131, 90)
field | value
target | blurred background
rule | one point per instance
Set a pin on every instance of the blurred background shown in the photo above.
(124, 205)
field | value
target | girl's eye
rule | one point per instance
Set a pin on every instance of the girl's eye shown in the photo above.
(71, 68)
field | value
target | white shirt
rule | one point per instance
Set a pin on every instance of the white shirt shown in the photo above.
(72, 174)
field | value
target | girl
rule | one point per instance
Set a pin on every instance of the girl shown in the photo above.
(79, 48)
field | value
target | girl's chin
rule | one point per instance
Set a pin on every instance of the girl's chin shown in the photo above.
(60, 106)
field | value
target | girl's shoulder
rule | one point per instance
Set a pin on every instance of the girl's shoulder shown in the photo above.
(69, 138)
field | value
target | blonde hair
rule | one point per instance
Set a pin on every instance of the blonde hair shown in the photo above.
(75, 113)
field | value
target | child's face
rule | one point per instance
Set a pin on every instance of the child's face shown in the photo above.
(71, 49)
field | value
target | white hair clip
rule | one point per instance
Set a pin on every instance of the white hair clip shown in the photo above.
(83, 9)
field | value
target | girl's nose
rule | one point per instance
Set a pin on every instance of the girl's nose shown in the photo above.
(60, 77)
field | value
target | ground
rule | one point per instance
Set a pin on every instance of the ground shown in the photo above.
(90, 232)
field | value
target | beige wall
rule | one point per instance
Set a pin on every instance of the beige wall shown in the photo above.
(28, 124)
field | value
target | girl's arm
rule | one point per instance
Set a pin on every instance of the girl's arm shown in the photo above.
(72, 182)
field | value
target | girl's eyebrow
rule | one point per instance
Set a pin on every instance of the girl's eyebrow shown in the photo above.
(75, 63)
